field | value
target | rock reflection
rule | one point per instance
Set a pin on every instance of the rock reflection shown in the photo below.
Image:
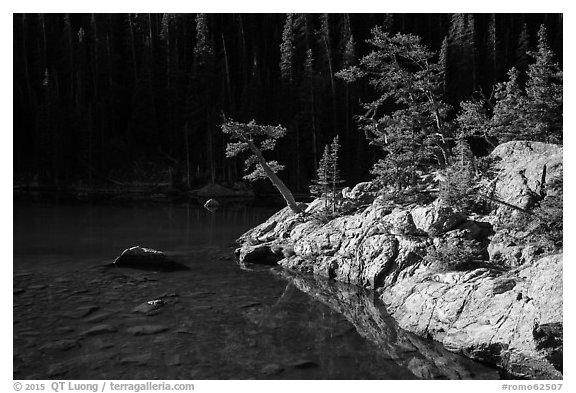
(426, 359)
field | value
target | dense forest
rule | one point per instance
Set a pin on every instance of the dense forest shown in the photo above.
(120, 98)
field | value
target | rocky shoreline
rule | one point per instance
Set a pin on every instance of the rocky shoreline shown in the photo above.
(504, 309)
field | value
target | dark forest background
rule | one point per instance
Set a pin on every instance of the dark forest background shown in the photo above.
(121, 98)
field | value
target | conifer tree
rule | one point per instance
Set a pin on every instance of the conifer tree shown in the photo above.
(492, 44)
(201, 96)
(457, 184)
(462, 49)
(522, 49)
(287, 49)
(325, 41)
(255, 139)
(402, 71)
(510, 116)
(474, 120)
(328, 178)
(321, 185)
(309, 99)
(443, 62)
(471, 51)
(544, 91)
(334, 171)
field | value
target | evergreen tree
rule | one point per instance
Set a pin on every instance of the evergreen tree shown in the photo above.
(349, 52)
(492, 44)
(334, 172)
(522, 49)
(321, 185)
(308, 100)
(255, 139)
(325, 43)
(463, 52)
(458, 180)
(457, 51)
(401, 70)
(510, 111)
(328, 178)
(201, 99)
(443, 62)
(471, 51)
(544, 91)
(474, 120)
(287, 49)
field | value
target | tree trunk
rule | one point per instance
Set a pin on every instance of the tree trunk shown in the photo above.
(227, 69)
(276, 181)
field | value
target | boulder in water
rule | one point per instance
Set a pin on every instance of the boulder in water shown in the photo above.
(212, 204)
(146, 258)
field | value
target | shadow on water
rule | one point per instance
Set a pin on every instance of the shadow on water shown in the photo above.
(75, 319)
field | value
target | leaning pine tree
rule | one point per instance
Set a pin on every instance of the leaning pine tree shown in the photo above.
(256, 138)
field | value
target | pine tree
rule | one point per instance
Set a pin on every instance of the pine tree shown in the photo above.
(255, 139)
(458, 180)
(413, 130)
(309, 99)
(510, 111)
(462, 49)
(201, 96)
(328, 178)
(325, 42)
(287, 50)
(349, 57)
(471, 51)
(522, 49)
(321, 185)
(334, 172)
(443, 62)
(492, 44)
(202, 49)
(474, 120)
(544, 91)
(389, 23)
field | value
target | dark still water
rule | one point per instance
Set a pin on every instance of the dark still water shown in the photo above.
(75, 318)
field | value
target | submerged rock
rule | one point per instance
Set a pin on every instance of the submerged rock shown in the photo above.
(211, 204)
(148, 259)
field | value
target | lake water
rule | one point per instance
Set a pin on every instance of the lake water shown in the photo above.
(75, 318)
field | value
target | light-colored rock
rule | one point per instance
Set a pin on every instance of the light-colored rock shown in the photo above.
(436, 218)
(521, 168)
(510, 319)
(146, 258)
(489, 318)
(262, 254)
(362, 192)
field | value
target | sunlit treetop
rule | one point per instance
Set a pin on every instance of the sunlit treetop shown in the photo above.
(253, 138)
